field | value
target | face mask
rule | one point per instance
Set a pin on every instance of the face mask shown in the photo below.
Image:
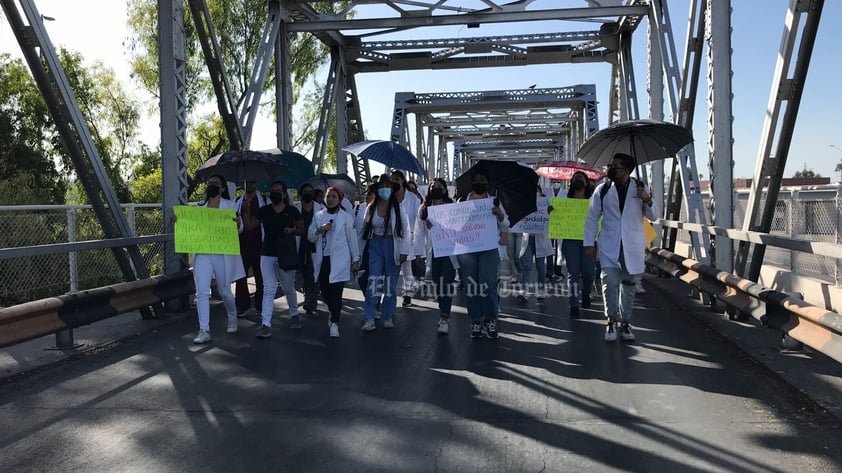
(612, 174)
(212, 191)
(307, 197)
(479, 187)
(384, 193)
(436, 193)
(556, 185)
(276, 197)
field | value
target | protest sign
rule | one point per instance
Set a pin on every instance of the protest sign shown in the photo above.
(463, 227)
(206, 230)
(537, 222)
(567, 220)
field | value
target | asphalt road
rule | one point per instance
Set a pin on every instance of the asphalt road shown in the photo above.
(549, 396)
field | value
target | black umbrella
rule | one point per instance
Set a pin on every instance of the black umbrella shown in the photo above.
(645, 140)
(340, 181)
(242, 165)
(516, 185)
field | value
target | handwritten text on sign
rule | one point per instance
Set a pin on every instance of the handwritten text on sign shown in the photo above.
(567, 220)
(463, 227)
(537, 222)
(207, 231)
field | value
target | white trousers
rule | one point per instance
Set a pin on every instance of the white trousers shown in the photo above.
(206, 267)
(271, 275)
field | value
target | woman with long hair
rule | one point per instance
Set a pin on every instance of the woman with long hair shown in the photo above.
(443, 267)
(224, 268)
(580, 269)
(386, 229)
(480, 270)
(337, 254)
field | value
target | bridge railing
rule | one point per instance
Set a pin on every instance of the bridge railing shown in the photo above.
(50, 250)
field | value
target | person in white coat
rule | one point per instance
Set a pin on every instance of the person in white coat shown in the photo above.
(443, 267)
(621, 241)
(337, 253)
(224, 268)
(410, 203)
(389, 239)
(534, 249)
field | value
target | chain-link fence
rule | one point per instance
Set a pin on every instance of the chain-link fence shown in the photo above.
(811, 214)
(33, 277)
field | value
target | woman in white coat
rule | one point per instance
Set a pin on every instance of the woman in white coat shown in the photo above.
(389, 239)
(621, 241)
(224, 268)
(337, 253)
(534, 250)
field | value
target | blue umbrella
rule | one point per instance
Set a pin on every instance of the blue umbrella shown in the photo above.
(390, 153)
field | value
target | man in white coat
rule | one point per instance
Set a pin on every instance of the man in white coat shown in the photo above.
(621, 241)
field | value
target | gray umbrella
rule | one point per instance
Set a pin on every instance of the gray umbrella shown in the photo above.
(645, 140)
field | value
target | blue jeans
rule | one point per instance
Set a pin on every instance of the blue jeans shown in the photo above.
(479, 275)
(529, 260)
(382, 278)
(618, 294)
(580, 270)
(443, 277)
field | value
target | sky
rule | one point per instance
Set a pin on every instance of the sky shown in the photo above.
(757, 30)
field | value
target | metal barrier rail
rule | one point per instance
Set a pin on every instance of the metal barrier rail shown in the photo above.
(47, 316)
(811, 325)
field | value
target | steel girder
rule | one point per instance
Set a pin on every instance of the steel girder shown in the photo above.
(787, 86)
(75, 135)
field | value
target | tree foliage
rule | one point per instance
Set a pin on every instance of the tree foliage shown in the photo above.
(805, 173)
(238, 26)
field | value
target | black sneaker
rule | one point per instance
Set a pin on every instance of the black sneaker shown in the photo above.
(490, 329)
(521, 298)
(574, 312)
(264, 332)
(295, 322)
(586, 301)
(310, 310)
(407, 301)
(476, 330)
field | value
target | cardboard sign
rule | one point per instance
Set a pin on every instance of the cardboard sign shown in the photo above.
(206, 231)
(537, 222)
(463, 227)
(567, 220)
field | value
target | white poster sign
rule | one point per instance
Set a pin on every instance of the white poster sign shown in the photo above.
(537, 222)
(463, 227)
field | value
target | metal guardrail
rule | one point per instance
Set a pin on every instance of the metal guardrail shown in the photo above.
(35, 319)
(811, 325)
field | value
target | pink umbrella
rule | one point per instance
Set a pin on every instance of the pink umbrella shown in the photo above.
(564, 170)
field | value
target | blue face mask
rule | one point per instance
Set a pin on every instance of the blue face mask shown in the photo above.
(384, 193)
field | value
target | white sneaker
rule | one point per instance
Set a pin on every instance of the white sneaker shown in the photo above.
(232, 326)
(610, 332)
(334, 330)
(444, 326)
(202, 337)
(626, 334)
(638, 287)
(540, 294)
(368, 326)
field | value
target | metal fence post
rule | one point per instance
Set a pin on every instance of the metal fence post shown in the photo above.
(131, 218)
(838, 276)
(64, 338)
(794, 201)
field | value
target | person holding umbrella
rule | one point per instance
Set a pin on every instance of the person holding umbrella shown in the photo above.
(224, 268)
(279, 258)
(386, 230)
(480, 269)
(337, 254)
(622, 202)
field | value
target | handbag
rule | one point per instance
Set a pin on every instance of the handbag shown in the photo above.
(286, 253)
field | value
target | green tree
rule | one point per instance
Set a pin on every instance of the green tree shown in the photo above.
(28, 174)
(805, 173)
(238, 26)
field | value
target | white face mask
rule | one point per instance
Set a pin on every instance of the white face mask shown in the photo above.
(556, 185)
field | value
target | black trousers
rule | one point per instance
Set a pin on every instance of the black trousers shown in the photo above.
(331, 292)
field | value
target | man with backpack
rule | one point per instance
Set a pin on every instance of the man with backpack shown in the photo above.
(622, 202)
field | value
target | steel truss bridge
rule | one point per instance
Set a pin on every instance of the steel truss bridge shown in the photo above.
(527, 124)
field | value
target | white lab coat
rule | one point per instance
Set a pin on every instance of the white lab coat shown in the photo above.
(341, 242)
(403, 245)
(543, 245)
(409, 207)
(233, 263)
(616, 227)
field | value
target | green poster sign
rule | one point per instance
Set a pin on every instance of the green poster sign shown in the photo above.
(204, 230)
(567, 220)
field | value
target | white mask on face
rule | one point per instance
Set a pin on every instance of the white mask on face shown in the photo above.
(556, 185)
